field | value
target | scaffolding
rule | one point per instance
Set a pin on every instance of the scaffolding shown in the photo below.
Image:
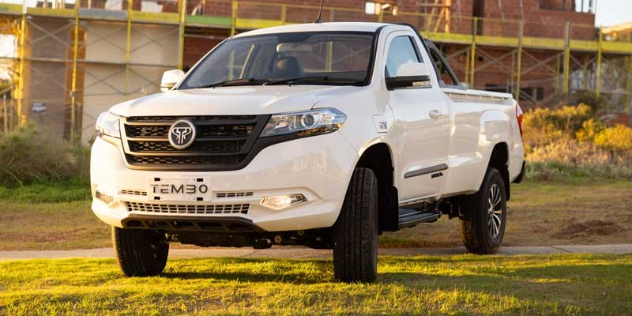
(66, 62)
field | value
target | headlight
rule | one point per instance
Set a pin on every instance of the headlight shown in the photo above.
(305, 123)
(108, 124)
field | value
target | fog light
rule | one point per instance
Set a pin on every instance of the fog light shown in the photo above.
(282, 201)
(103, 197)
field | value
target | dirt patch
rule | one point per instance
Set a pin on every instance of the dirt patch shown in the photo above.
(588, 228)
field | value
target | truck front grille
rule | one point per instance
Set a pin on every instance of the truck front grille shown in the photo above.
(221, 143)
(187, 208)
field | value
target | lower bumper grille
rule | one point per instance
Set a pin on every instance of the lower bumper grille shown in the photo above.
(187, 208)
(183, 223)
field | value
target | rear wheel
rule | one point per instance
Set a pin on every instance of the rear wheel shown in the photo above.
(485, 215)
(140, 252)
(355, 231)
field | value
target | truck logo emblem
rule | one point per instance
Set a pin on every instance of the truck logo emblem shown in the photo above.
(182, 134)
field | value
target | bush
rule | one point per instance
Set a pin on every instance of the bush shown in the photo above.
(566, 118)
(589, 130)
(569, 141)
(571, 158)
(543, 125)
(616, 139)
(28, 156)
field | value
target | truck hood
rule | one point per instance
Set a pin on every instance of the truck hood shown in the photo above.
(242, 100)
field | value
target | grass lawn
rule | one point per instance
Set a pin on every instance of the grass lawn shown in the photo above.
(458, 285)
(572, 212)
(58, 216)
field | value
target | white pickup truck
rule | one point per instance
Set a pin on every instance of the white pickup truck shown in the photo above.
(323, 135)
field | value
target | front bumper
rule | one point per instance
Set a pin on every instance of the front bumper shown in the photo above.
(318, 167)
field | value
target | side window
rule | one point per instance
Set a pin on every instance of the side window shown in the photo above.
(401, 51)
(444, 76)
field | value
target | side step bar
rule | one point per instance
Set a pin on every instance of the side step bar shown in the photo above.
(409, 217)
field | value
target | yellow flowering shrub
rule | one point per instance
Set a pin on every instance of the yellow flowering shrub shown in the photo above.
(618, 138)
(569, 141)
(589, 130)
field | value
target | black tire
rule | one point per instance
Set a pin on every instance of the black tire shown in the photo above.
(355, 231)
(140, 252)
(477, 223)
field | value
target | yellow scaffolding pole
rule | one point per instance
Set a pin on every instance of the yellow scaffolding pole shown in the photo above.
(21, 56)
(585, 73)
(473, 53)
(629, 86)
(466, 69)
(283, 14)
(128, 44)
(73, 93)
(599, 60)
(519, 71)
(448, 15)
(558, 63)
(629, 82)
(567, 58)
(233, 23)
(183, 11)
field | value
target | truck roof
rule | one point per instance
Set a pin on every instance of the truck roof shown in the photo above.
(318, 27)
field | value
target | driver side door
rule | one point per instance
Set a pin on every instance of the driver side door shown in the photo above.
(421, 124)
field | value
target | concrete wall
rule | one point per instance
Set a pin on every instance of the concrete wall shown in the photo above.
(154, 49)
(46, 73)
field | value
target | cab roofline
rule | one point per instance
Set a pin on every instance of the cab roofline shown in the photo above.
(319, 27)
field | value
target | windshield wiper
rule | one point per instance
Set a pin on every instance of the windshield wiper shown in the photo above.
(236, 82)
(318, 79)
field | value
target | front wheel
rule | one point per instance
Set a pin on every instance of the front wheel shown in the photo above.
(140, 252)
(355, 231)
(485, 215)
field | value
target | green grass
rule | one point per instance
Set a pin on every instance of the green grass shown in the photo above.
(457, 285)
(77, 189)
(543, 213)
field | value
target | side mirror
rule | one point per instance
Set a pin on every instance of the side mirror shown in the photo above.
(170, 78)
(410, 75)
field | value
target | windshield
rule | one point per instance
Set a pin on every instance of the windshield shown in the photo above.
(334, 58)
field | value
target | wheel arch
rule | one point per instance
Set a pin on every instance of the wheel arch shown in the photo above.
(379, 158)
(499, 159)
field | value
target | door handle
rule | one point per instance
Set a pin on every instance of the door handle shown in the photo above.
(435, 114)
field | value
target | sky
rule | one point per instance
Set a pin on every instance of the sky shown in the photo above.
(613, 12)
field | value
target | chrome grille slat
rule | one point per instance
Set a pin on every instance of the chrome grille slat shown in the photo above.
(223, 118)
(184, 160)
(187, 208)
(221, 143)
(164, 146)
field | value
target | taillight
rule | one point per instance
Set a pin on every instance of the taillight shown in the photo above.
(519, 117)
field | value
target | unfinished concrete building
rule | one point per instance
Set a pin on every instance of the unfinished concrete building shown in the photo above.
(66, 62)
